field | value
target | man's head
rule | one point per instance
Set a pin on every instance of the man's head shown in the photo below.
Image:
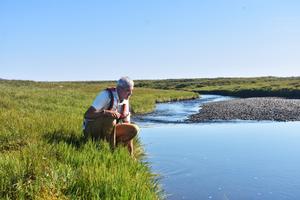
(124, 87)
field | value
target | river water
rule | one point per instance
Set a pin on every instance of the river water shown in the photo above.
(236, 160)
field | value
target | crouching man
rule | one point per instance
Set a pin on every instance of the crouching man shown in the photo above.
(108, 118)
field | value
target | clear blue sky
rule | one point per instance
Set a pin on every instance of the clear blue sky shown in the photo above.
(53, 40)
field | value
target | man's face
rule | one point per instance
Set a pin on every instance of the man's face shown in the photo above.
(125, 93)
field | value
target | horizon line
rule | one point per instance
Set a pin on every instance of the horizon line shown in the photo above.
(109, 80)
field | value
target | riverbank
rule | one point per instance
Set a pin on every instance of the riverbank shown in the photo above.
(43, 154)
(258, 108)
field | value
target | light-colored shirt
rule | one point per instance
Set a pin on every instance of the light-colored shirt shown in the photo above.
(102, 102)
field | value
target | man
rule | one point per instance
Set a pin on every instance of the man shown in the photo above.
(109, 117)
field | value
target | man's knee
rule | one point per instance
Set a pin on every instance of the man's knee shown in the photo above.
(135, 130)
(126, 132)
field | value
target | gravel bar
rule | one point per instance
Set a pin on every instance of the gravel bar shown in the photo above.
(258, 108)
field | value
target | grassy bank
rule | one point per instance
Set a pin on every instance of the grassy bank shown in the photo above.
(43, 154)
(242, 87)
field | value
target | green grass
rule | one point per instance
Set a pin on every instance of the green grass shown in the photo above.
(243, 87)
(42, 151)
(43, 154)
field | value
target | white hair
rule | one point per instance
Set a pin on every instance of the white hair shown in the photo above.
(125, 82)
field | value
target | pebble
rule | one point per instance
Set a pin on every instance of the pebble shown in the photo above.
(255, 108)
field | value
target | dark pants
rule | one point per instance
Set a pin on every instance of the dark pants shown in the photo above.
(101, 128)
(105, 128)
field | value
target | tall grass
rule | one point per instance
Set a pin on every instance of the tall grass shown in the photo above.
(43, 154)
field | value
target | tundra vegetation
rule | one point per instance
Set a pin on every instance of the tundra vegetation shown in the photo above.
(42, 151)
(288, 87)
(43, 154)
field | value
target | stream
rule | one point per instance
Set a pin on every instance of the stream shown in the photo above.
(227, 160)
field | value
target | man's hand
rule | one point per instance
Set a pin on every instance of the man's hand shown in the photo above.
(113, 114)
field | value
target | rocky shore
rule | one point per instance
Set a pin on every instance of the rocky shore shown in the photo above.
(262, 108)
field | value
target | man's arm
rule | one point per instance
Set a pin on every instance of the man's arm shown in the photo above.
(92, 113)
(126, 114)
(98, 107)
